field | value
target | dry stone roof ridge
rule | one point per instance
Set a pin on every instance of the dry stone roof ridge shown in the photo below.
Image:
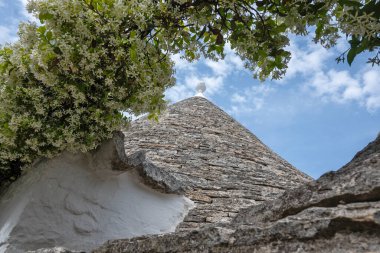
(209, 157)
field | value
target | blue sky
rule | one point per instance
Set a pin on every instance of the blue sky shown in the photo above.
(317, 117)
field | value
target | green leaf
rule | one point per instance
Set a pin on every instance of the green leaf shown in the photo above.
(206, 37)
(190, 54)
(133, 34)
(350, 3)
(41, 30)
(219, 49)
(351, 55)
(186, 39)
(49, 35)
(180, 42)
(45, 16)
(354, 42)
(318, 31)
(133, 54)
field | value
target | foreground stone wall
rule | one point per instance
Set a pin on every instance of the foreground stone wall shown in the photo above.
(199, 150)
(340, 212)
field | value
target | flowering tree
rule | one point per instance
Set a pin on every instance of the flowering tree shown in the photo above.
(64, 84)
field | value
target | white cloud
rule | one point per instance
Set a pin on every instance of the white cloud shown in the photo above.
(182, 64)
(342, 44)
(221, 67)
(233, 58)
(6, 35)
(371, 89)
(250, 100)
(190, 74)
(231, 63)
(237, 98)
(186, 88)
(343, 87)
(25, 13)
(314, 68)
(23, 2)
(306, 60)
(338, 85)
(236, 61)
(178, 92)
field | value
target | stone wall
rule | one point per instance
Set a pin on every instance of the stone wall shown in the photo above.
(340, 212)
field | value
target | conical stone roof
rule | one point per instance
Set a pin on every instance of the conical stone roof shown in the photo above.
(197, 149)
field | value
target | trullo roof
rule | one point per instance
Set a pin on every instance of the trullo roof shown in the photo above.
(197, 149)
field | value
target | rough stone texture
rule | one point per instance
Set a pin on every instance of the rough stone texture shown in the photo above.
(357, 181)
(199, 150)
(340, 212)
(55, 250)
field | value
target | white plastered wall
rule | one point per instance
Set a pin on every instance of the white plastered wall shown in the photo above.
(77, 202)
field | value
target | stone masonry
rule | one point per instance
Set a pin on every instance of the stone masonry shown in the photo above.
(338, 213)
(197, 149)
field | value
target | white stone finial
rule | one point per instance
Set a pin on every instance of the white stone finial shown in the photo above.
(201, 88)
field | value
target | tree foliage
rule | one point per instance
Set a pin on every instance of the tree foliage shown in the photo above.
(64, 84)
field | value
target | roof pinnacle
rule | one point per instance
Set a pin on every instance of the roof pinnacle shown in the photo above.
(201, 88)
